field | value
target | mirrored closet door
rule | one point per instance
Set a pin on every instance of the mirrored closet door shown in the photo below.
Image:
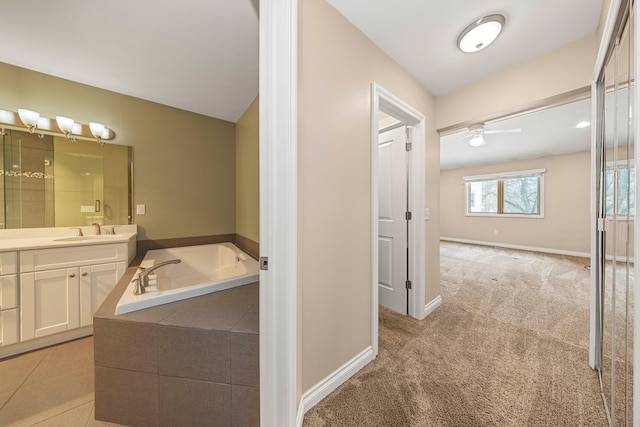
(615, 106)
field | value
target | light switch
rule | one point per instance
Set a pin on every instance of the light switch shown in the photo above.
(427, 214)
(141, 209)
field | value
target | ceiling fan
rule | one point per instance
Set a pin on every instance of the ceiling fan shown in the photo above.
(476, 134)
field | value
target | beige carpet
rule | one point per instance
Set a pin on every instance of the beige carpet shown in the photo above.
(508, 347)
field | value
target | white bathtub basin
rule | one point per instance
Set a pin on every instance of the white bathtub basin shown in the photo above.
(203, 269)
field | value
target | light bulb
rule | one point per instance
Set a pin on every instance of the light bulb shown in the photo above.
(477, 141)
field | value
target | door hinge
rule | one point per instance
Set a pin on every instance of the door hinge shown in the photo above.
(264, 263)
(409, 146)
(407, 284)
(407, 132)
(407, 216)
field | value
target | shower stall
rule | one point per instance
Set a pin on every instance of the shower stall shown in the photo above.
(615, 188)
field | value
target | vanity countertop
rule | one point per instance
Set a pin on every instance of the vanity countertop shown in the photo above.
(39, 238)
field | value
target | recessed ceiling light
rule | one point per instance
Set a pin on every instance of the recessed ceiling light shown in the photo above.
(582, 125)
(481, 33)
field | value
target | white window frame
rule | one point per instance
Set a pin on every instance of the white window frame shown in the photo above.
(533, 173)
(621, 164)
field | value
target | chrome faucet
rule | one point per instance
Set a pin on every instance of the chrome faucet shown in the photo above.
(96, 229)
(143, 278)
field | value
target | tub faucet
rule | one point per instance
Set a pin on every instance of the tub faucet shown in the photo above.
(96, 229)
(143, 278)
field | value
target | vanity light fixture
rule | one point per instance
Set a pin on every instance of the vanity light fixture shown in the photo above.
(481, 33)
(477, 141)
(77, 129)
(5, 117)
(98, 131)
(66, 126)
(29, 118)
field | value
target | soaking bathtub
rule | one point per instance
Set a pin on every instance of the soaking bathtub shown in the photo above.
(203, 269)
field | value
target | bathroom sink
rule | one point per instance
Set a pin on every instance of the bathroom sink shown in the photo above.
(85, 238)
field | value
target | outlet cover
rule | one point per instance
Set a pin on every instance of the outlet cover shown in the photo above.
(141, 209)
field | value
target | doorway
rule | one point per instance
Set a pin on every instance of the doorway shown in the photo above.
(383, 101)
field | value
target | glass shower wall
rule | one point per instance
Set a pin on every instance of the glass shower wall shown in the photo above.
(616, 200)
(27, 180)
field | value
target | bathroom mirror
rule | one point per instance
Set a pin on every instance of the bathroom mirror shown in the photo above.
(51, 181)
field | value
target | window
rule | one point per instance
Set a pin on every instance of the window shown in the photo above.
(517, 194)
(625, 188)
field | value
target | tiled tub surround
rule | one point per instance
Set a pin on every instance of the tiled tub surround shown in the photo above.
(192, 362)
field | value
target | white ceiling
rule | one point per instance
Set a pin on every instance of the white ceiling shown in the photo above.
(421, 34)
(544, 133)
(200, 56)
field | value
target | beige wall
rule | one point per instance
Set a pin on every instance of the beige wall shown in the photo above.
(565, 225)
(517, 88)
(337, 66)
(248, 174)
(184, 163)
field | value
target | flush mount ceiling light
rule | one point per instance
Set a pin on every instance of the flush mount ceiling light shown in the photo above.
(582, 125)
(481, 33)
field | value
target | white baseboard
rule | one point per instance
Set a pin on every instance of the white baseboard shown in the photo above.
(300, 416)
(520, 247)
(431, 306)
(321, 390)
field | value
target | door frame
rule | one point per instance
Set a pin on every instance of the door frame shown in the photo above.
(594, 311)
(384, 100)
(278, 104)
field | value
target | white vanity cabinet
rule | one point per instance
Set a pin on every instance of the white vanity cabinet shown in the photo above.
(49, 302)
(9, 318)
(96, 281)
(61, 288)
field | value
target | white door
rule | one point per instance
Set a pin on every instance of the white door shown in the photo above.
(96, 281)
(49, 302)
(392, 224)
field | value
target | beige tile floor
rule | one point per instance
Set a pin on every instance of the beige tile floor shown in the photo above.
(49, 387)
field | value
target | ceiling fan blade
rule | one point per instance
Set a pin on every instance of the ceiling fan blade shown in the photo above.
(486, 132)
(465, 136)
